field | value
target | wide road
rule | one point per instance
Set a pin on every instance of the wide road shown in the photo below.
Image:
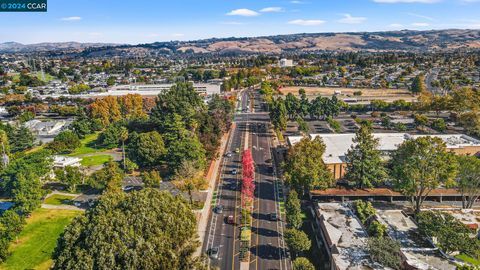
(251, 130)
(268, 247)
(220, 234)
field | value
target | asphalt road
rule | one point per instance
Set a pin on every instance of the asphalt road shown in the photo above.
(267, 248)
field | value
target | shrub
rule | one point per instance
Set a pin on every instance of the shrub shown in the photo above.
(385, 251)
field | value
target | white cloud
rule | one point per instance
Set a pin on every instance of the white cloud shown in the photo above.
(306, 22)
(420, 24)
(243, 12)
(420, 16)
(296, 2)
(272, 9)
(178, 35)
(72, 18)
(95, 34)
(406, 1)
(396, 25)
(349, 19)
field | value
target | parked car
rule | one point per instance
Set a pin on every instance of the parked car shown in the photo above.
(218, 209)
(234, 171)
(213, 252)
(228, 154)
(230, 220)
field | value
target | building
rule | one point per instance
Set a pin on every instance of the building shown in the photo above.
(337, 146)
(418, 252)
(204, 89)
(60, 162)
(285, 63)
(344, 237)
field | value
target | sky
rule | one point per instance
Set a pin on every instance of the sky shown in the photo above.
(145, 21)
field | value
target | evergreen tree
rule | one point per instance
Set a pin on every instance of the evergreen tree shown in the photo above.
(364, 164)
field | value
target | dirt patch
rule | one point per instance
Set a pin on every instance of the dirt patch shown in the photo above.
(328, 91)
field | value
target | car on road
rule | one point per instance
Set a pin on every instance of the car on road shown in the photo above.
(237, 150)
(234, 171)
(218, 209)
(228, 154)
(230, 220)
(273, 217)
(213, 252)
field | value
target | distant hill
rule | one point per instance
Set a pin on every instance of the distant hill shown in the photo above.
(49, 46)
(405, 40)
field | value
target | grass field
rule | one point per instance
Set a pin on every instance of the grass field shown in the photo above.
(469, 259)
(88, 145)
(95, 160)
(38, 239)
(58, 199)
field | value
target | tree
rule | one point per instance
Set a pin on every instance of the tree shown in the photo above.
(148, 229)
(292, 105)
(106, 110)
(302, 263)
(302, 125)
(421, 165)
(147, 149)
(278, 114)
(64, 142)
(182, 144)
(190, 178)
(22, 139)
(297, 241)
(304, 167)
(364, 163)
(151, 179)
(468, 179)
(293, 210)
(385, 251)
(110, 178)
(78, 89)
(418, 85)
(71, 176)
(131, 106)
(182, 100)
(27, 193)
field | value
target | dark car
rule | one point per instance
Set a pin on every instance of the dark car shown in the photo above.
(273, 217)
(230, 220)
(234, 171)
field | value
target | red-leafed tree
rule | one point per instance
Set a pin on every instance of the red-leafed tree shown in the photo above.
(248, 186)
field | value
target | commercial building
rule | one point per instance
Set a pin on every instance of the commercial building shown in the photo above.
(204, 89)
(344, 237)
(337, 146)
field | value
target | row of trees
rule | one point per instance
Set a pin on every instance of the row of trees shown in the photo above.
(282, 110)
(416, 168)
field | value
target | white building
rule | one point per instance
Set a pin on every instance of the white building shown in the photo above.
(285, 63)
(204, 89)
(60, 162)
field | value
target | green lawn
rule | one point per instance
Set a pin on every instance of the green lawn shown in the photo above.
(58, 199)
(466, 258)
(88, 145)
(95, 160)
(38, 239)
(48, 77)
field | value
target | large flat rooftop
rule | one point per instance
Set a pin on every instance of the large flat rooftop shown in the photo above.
(337, 145)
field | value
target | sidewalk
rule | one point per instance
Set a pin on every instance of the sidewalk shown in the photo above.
(211, 177)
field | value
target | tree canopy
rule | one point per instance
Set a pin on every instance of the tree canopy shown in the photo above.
(304, 167)
(364, 164)
(421, 165)
(148, 229)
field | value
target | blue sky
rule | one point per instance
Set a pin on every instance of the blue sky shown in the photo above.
(139, 21)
